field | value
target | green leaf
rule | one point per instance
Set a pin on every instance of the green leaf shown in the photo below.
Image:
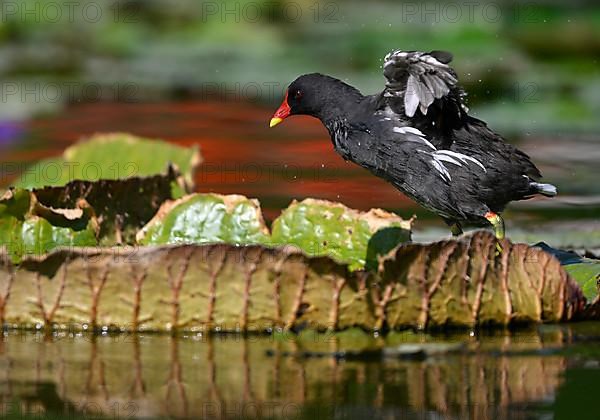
(587, 274)
(316, 227)
(113, 156)
(585, 271)
(204, 218)
(122, 207)
(24, 231)
(81, 213)
(39, 236)
(323, 228)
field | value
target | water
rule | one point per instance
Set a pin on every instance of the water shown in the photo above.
(547, 372)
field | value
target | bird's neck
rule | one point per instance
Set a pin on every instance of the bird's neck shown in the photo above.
(340, 103)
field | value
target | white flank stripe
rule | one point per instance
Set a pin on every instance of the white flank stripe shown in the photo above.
(441, 169)
(428, 143)
(415, 131)
(448, 159)
(438, 165)
(404, 130)
(462, 157)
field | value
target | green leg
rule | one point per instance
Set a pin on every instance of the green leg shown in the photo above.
(498, 224)
(456, 229)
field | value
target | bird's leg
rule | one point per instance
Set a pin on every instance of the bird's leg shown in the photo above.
(498, 224)
(456, 229)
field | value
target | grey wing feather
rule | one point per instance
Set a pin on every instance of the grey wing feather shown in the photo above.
(411, 96)
(420, 77)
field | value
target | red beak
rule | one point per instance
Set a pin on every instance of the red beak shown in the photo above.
(282, 112)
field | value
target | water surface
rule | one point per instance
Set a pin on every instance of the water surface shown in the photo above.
(544, 372)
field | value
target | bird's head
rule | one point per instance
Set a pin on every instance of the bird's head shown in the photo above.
(309, 94)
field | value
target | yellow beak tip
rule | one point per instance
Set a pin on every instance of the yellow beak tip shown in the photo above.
(274, 122)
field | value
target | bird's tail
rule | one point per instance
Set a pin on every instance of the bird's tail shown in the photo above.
(548, 190)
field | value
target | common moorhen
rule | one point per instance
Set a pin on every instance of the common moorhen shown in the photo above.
(417, 134)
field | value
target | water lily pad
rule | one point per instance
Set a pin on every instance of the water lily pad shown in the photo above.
(26, 228)
(321, 227)
(112, 156)
(81, 213)
(585, 271)
(222, 287)
(316, 227)
(587, 275)
(122, 207)
(205, 218)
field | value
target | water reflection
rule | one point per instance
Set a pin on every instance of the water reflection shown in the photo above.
(229, 377)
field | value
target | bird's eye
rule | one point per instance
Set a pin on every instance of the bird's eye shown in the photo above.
(298, 94)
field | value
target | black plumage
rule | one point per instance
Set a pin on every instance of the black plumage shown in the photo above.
(417, 134)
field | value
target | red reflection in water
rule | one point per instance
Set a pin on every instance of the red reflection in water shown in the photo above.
(241, 154)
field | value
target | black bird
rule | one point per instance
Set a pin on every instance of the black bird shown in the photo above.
(417, 134)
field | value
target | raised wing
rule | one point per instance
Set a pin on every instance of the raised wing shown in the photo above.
(421, 78)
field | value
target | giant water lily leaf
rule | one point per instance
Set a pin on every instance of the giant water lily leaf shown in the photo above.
(585, 271)
(204, 218)
(28, 228)
(81, 213)
(467, 282)
(122, 207)
(229, 288)
(321, 227)
(113, 156)
(39, 236)
(587, 275)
